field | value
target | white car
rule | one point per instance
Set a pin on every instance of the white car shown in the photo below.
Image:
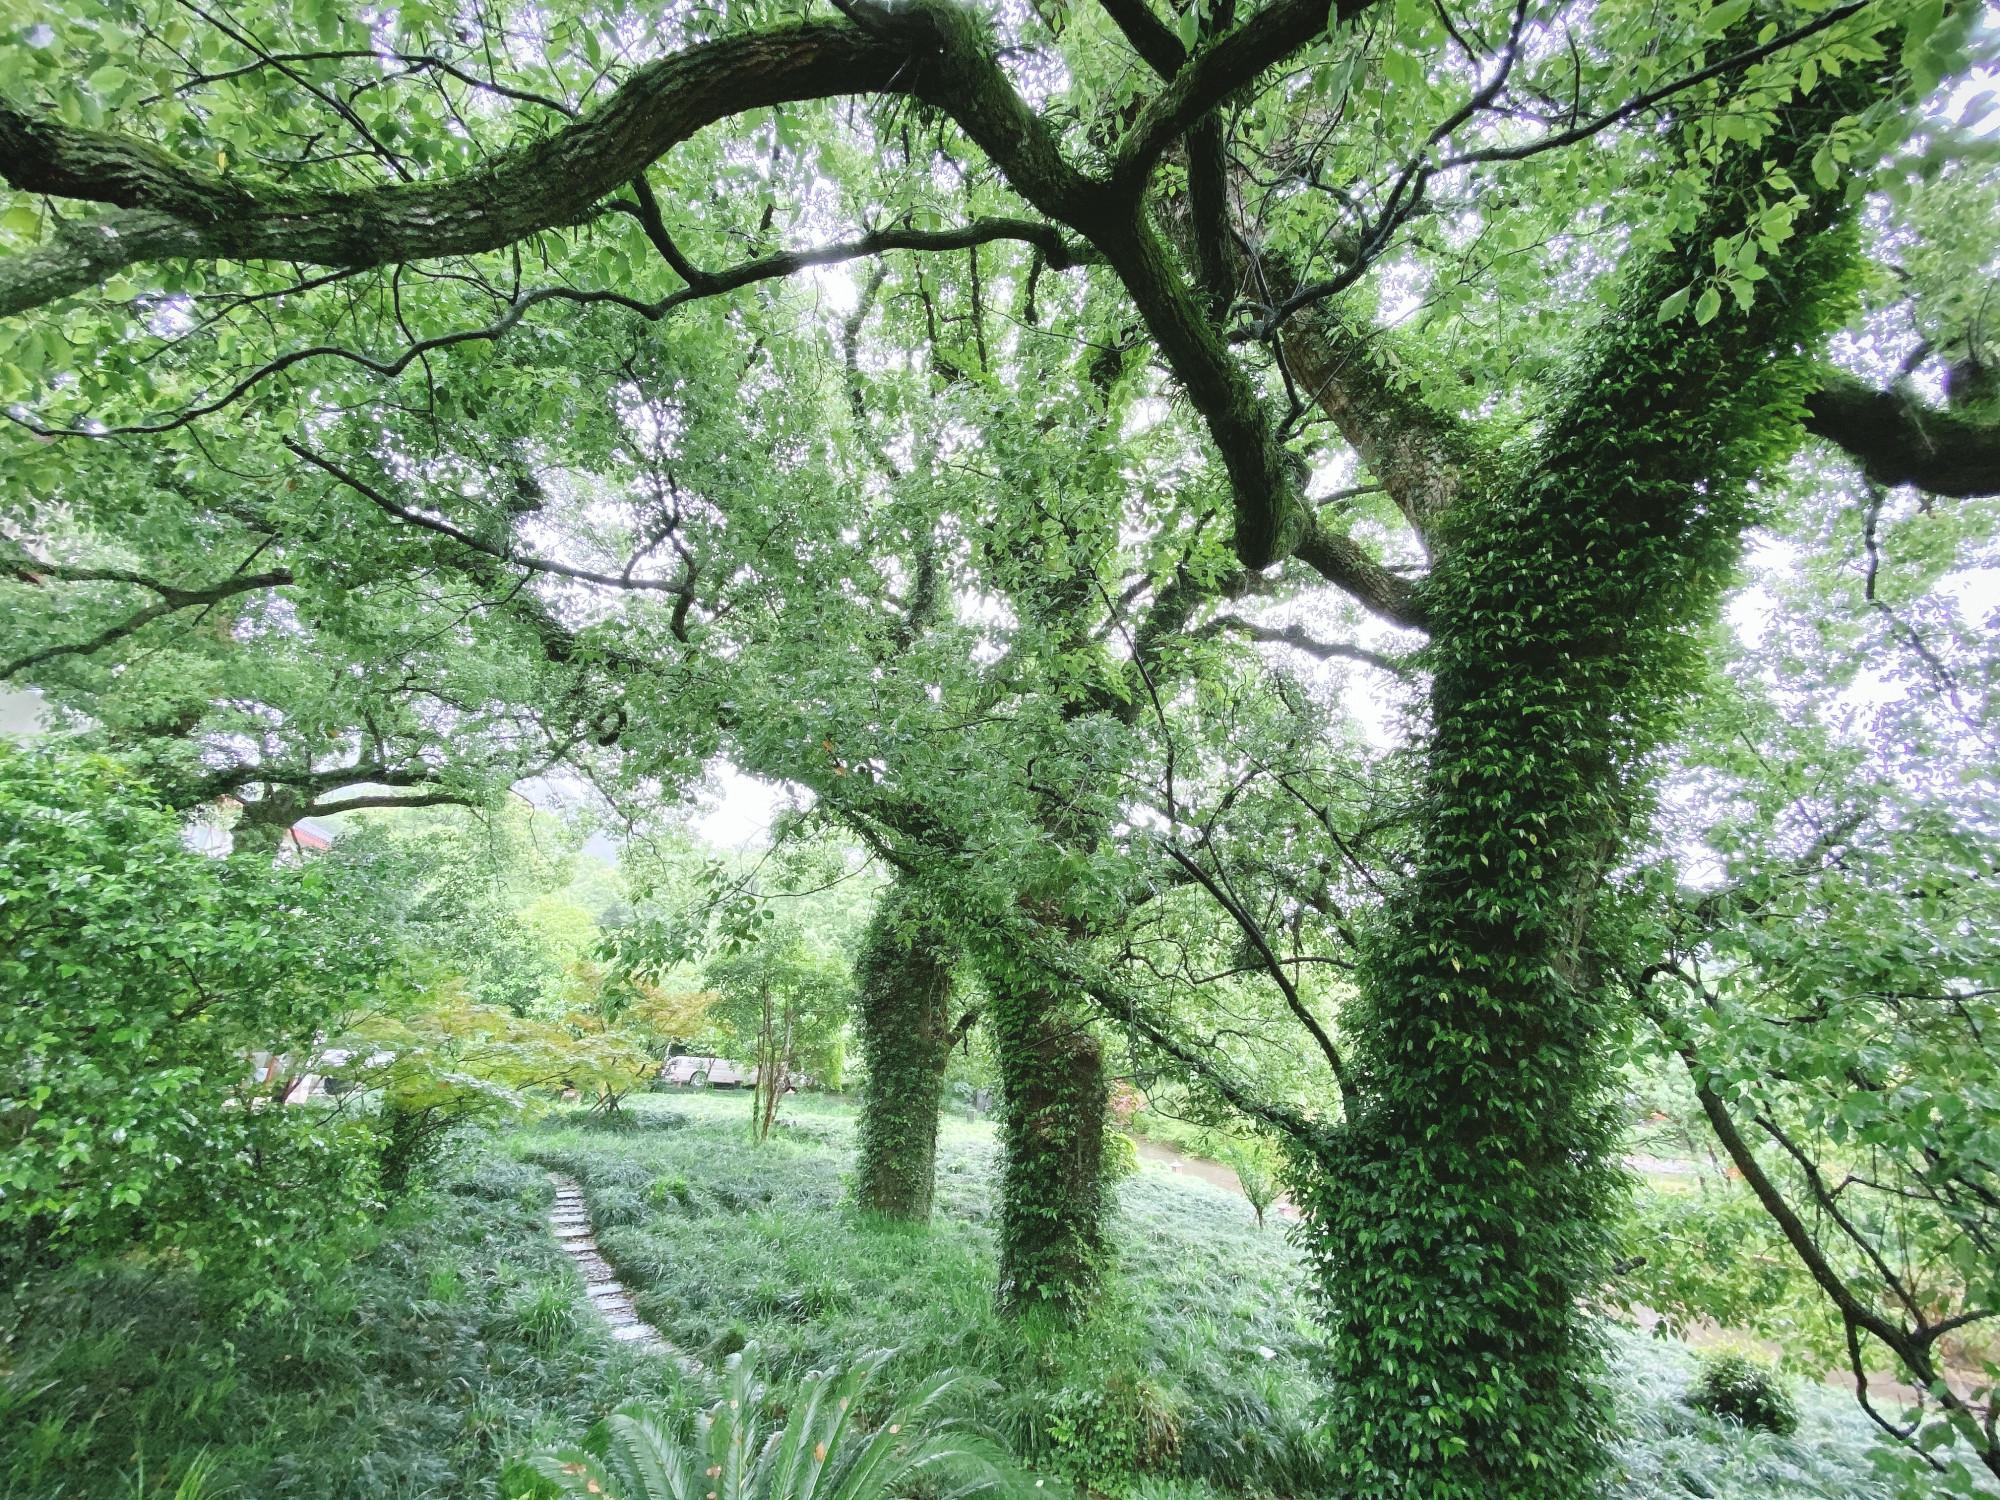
(705, 1072)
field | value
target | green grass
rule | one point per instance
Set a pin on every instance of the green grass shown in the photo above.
(462, 1338)
(438, 1353)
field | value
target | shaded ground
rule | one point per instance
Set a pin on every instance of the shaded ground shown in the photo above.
(462, 1336)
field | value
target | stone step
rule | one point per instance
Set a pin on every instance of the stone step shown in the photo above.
(569, 1222)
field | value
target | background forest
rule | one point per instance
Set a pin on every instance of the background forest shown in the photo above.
(1393, 596)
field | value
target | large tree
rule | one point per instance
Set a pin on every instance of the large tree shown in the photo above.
(300, 215)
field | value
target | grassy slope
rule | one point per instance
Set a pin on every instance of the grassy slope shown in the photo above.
(462, 1338)
(723, 1242)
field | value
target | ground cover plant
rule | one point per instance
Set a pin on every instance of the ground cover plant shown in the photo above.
(1200, 1374)
(458, 1340)
(422, 1366)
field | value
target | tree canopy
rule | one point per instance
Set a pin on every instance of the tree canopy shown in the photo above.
(1231, 504)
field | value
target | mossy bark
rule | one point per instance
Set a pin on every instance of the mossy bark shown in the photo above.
(1054, 1098)
(904, 978)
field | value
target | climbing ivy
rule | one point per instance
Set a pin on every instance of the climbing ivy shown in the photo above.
(902, 1011)
(1458, 1215)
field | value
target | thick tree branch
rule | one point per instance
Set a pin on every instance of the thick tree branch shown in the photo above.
(172, 600)
(1300, 639)
(559, 180)
(1217, 70)
(1897, 440)
(1341, 560)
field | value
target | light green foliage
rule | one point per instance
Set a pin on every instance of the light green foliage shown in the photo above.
(823, 1447)
(480, 896)
(1253, 1167)
(785, 1006)
(153, 997)
(966, 540)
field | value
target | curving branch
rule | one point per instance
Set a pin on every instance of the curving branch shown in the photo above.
(176, 210)
(1216, 70)
(1274, 967)
(1298, 638)
(1056, 250)
(1898, 440)
(1341, 560)
(172, 600)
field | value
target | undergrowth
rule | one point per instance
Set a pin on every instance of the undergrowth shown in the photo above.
(453, 1340)
(460, 1338)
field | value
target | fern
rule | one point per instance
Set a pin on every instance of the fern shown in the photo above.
(820, 1453)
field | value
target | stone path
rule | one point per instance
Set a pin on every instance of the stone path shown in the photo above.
(570, 1220)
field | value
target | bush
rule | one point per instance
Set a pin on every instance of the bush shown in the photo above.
(1100, 1438)
(1746, 1391)
(1254, 1176)
(159, 1004)
(1121, 1156)
(542, 1315)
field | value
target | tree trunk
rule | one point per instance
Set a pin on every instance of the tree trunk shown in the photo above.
(1458, 1215)
(1053, 1098)
(904, 978)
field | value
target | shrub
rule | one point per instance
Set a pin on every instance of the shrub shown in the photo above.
(736, 1454)
(1121, 1156)
(542, 1315)
(667, 1190)
(1100, 1438)
(1254, 1176)
(1745, 1390)
(158, 1006)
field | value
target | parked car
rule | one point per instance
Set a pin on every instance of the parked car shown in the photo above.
(706, 1072)
(720, 1073)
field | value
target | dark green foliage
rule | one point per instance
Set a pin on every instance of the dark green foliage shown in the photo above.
(415, 1370)
(1459, 1215)
(543, 1314)
(824, 1447)
(409, 1373)
(1745, 1390)
(1101, 1437)
(1053, 1098)
(410, 1142)
(1200, 1351)
(149, 997)
(902, 1009)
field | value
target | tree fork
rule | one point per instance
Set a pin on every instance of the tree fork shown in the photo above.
(1458, 1215)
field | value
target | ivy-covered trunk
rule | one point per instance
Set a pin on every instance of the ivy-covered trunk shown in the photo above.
(903, 976)
(1053, 1099)
(1458, 1215)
